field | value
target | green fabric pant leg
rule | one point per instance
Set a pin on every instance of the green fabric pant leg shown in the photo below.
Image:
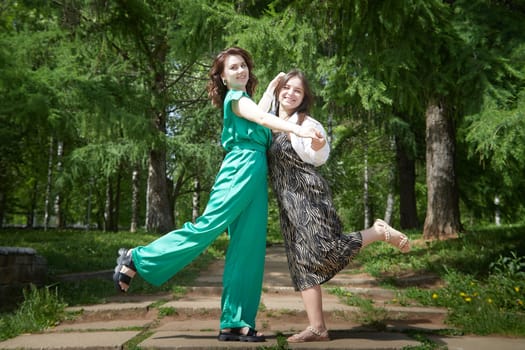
(244, 265)
(241, 179)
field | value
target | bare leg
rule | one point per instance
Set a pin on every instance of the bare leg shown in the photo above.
(313, 303)
(316, 331)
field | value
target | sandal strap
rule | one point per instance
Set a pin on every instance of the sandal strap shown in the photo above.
(386, 231)
(315, 331)
(122, 277)
(251, 332)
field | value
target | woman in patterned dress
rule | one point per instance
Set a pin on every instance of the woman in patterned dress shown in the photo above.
(316, 246)
(238, 204)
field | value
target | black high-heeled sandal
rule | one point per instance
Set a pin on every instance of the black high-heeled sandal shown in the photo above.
(124, 259)
(232, 335)
(251, 336)
(235, 334)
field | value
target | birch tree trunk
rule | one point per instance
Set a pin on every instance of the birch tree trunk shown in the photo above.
(135, 181)
(108, 207)
(58, 198)
(442, 218)
(366, 194)
(389, 209)
(497, 211)
(47, 199)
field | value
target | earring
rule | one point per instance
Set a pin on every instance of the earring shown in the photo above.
(224, 82)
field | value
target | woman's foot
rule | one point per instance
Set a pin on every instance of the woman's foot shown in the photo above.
(124, 271)
(241, 334)
(392, 236)
(308, 335)
(229, 334)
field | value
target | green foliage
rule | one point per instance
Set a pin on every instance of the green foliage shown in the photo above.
(353, 142)
(42, 308)
(484, 307)
(471, 253)
(103, 77)
(483, 284)
(76, 251)
(496, 137)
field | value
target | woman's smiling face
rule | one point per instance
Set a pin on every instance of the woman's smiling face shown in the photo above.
(291, 95)
(236, 72)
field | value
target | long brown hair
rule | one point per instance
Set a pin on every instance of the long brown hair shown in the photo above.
(216, 89)
(308, 99)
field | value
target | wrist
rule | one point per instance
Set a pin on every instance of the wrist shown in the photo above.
(296, 129)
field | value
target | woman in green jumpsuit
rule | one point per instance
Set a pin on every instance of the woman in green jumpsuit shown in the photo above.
(238, 204)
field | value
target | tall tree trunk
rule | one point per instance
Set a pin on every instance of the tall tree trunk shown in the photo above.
(159, 217)
(389, 209)
(116, 202)
(58, 198)
(442, 218)
(47, 200)
(30, 220)
(89, 199)
(407, 188)
(366, 194)
(108, 207)
(2, 209)
(195, 199)
(135, 181)
(497, 211)
(159, 214)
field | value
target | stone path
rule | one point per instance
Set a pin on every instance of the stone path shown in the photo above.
(129, 321)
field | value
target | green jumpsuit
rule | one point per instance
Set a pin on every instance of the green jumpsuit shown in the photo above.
(238, 203)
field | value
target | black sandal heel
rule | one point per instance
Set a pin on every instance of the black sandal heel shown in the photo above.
(233, 335)
(251, 336)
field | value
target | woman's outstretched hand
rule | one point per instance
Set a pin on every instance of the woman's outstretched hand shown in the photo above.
(318, 143)
(308, 131)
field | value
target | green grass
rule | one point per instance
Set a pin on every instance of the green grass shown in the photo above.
(75, 251)
(483, 271)
(41, 308)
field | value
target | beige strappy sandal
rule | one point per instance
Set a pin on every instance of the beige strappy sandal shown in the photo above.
(308, 335)
(403, 244)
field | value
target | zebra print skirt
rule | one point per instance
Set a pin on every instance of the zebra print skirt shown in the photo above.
(315, 245)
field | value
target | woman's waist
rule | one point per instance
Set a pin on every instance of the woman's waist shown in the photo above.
(246, 146)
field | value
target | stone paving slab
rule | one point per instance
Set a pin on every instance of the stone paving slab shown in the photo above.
(341, 340)
(479, 343)
(70, 340)
(101, 325)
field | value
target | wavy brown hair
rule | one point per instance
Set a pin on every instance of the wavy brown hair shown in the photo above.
(308, 99)
(216, 89)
